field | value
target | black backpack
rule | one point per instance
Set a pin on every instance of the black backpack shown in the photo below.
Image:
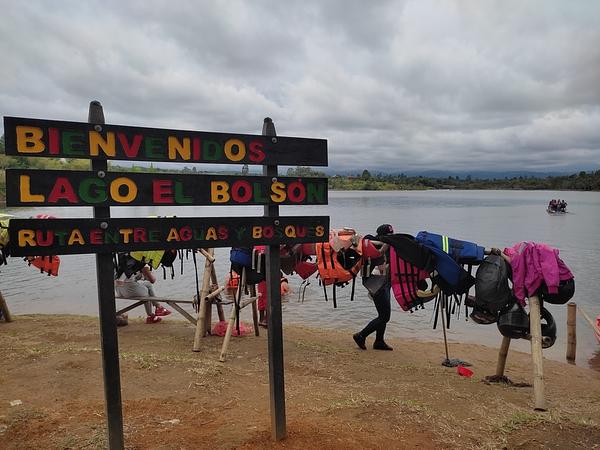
(492, 291)
(125, 264)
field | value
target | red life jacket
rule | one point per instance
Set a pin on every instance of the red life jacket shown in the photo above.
(46, 264)
(405, 280)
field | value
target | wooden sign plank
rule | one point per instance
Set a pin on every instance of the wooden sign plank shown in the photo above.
(83, 188)
(61, 139)
(40, 237)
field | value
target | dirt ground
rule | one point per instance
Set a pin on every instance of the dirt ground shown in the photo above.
(337, 396)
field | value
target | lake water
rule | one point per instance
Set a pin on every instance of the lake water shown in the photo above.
(489, 218)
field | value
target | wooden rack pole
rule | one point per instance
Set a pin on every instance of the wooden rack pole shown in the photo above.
(215, 281)
(589, 320)
(571, 331)
(254, 311)
(201, 323)
(535, 327)
(500, 366)
(208, 254)
(216, 292)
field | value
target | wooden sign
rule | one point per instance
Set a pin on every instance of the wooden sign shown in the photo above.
(104, 235)
(81, 188)
(60, 139)
(40, 237)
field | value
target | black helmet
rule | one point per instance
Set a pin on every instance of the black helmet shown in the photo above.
(384, 229)
(548, 329)
(482, 317)
(513, 322)
(566, 290)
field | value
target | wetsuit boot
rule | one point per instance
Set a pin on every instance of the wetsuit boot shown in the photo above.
(360, 340)
(381, 345)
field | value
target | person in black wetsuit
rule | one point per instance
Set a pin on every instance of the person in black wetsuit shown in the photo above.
(381, 298)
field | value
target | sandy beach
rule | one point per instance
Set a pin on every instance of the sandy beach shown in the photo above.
(337, 396)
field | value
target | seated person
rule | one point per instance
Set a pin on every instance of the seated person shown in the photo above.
(140, 284)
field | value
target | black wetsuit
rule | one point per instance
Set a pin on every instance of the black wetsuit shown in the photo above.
(382, 303)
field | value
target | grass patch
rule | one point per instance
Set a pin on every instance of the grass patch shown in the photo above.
(361, 400)
(210, 369)
(154, 360)
(519, 420)
(33, 351)
(98, 439)
(22, 414)
(319, 347)
(69, 442)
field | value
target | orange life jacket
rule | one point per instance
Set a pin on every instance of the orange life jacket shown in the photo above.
(338, 267)
(332, 266)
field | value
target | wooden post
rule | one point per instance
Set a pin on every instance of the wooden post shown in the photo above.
(107, 308)
(571, 331)
(275, 334)
(535, 327)
(4, 308)
(204, 291)
(502, 356)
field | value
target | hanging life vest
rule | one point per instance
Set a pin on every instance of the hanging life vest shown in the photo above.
(302, 258)
(450, 254)
(150, 257)
(408, 283)
(4, 250)
(411, 265)
(339, 267)
(233, 280)
(46, 264)
(252, 261)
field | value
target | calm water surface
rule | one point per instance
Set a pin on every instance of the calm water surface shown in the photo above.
(489, 218)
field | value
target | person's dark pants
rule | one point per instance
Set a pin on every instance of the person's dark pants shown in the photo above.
(382, 303)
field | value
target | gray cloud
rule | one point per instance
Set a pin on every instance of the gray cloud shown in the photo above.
(392, 85)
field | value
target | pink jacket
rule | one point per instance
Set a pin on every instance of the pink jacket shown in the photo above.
(533, 264)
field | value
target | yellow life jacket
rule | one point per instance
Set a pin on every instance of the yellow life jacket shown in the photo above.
(150, 257)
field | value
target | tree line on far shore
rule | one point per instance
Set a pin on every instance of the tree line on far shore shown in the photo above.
(582, 181)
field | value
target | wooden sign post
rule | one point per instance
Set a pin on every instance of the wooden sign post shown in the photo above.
(274, 320)
(107, 307)
(103, 235)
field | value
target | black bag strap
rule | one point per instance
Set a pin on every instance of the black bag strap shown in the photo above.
(197, 283)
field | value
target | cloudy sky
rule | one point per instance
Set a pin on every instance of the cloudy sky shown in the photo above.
(392, 85)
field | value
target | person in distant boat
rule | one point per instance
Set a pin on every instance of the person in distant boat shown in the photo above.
(562, 205)
(381, 298)
(552, 205)
(140, 284)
